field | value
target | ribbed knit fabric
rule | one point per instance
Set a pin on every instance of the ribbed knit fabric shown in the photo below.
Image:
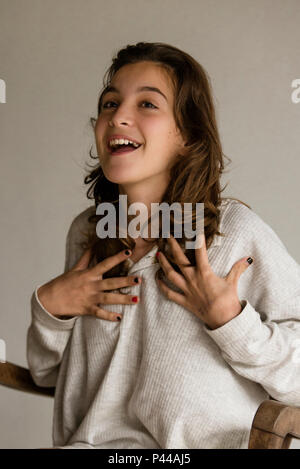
(160, 378)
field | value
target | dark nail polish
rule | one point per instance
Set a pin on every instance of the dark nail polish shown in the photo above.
(136, 280)
(127, 252)
(118, 318)
(249, 260)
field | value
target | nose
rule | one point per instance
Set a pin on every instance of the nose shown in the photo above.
(121, 116)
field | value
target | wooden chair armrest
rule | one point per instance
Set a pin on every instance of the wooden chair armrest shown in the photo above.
(274, 425)
(19, 378)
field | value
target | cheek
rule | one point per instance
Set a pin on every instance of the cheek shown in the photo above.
(164, 141)
(101, 126)
(160, 135)
(99, 129)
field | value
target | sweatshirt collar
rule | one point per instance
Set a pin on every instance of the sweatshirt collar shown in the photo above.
(145, 261)
(150, 258)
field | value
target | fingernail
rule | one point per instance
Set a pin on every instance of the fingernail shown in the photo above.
(157, 255)
(127, 252)
(136, 280)
(135, 299)
(118, 318)
(249, 260)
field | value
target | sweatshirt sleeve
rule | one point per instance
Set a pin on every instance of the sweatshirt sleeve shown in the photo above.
(47, 336)
(262, 343)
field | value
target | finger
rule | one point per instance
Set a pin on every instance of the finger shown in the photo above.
(118, 282)
(201, 257)
(238, 268)
(171, 274)
(170, 294)
(110, 262)
(84, 260)
(106, 315)
(181, 258)
(115, 299)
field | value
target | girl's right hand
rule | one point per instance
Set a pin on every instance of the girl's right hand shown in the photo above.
(79, 291)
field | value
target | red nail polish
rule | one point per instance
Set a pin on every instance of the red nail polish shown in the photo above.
(135, 299)
(157, 255)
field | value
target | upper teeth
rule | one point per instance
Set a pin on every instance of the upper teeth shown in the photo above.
(121, 141)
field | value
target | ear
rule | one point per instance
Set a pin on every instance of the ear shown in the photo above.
(181, 141)
(183, 149)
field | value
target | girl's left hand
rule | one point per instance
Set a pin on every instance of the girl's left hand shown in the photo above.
(212, 299)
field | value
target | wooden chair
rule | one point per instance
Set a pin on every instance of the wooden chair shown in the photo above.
(273, 426)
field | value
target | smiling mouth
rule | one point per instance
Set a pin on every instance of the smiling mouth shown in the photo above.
(122, 149)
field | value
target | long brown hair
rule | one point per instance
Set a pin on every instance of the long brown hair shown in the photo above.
(195, 176)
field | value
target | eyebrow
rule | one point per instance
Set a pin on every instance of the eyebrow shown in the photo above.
(141, 88)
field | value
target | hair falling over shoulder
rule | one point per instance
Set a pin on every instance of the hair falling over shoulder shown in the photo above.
(195, 176)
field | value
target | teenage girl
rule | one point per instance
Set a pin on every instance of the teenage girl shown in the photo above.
(150, 344)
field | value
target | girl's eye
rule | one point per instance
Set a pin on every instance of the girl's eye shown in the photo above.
(108, 102)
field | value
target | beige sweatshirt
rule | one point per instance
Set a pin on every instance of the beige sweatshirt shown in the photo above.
(160, 378)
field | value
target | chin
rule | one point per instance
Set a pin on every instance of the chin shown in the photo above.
(118, 177)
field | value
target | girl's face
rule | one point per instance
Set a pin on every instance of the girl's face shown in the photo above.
(144, 116)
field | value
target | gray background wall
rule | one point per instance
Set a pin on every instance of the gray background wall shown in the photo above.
(53, 54)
